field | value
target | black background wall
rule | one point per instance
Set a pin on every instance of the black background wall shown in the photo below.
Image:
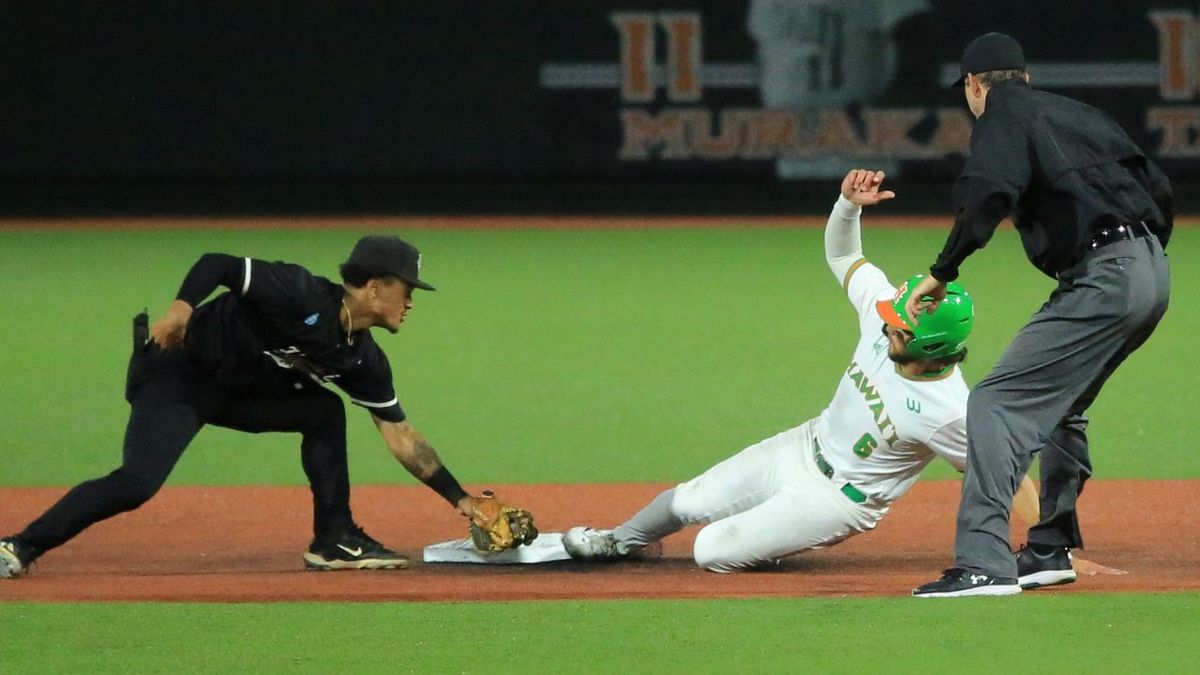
(199, 106)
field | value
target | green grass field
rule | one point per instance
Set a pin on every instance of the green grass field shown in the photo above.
(565, 357)
(1093, 633)
(579, 356)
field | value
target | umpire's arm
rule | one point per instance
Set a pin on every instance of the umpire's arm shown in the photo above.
(422, 461)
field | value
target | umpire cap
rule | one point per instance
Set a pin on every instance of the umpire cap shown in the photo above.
(382, 255)
(990, 51)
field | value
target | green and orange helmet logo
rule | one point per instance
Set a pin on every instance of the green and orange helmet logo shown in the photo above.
(942, 333)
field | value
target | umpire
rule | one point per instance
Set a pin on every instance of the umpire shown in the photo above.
(1095, 214)
(255, 359)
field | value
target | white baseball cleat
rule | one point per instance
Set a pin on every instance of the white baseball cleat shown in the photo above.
(10, 564)
(585, 543)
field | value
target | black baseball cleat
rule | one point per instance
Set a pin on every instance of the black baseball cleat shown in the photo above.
(959, 583)
(1042, 566)
(352, 550)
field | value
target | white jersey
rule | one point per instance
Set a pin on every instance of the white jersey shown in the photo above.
(882, 428)
(775, 498)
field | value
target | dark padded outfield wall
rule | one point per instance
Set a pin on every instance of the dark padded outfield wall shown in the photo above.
(519, 103)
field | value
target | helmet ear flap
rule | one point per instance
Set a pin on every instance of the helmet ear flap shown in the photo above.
(932, 347)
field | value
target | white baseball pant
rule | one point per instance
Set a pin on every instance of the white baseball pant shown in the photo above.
(767, 502)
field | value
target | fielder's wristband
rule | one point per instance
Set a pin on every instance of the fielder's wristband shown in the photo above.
(445, 485)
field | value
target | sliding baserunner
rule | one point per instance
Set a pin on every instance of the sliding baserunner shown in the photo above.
(900, 402)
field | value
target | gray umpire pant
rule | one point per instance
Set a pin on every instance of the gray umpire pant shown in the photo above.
(1103, 309)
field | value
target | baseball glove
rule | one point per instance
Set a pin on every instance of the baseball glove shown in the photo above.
(496, 526)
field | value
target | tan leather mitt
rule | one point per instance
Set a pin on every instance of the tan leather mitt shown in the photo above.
(496, 526)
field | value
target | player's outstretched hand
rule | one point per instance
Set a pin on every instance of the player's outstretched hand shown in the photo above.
(861, 186)
(925, 298)
(169, 331)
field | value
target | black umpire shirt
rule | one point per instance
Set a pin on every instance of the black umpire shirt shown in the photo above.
(1062, 169)
(278, 329)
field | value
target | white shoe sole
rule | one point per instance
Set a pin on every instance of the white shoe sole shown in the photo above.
(10, 566)
(1047, 578)
(579, 545)
(316, 562)
(997, 589)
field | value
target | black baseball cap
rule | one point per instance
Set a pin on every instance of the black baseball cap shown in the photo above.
(990, 51)
(382, 255)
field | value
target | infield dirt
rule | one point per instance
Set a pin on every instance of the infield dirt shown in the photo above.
(244, 544)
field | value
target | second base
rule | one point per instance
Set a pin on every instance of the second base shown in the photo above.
(546, 548)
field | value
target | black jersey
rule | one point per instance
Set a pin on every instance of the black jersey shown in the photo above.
(1062, 169)
(279, 328)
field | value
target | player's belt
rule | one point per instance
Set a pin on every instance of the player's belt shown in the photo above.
(852, 493)
(1121, 232)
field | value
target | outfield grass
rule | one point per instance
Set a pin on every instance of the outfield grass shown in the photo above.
(546, 356)
(568, 356)
(1042, 633)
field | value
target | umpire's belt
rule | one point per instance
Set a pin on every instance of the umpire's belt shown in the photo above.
(1111, 235)
(852, 493)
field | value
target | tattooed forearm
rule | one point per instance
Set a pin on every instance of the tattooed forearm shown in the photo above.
(424, 460)
(410, 447)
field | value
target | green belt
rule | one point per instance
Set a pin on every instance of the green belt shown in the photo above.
(852, 493)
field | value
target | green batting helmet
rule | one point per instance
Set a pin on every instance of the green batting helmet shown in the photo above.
(943, 333)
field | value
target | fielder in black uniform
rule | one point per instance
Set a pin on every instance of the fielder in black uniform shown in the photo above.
(256, 359)
(1095, 214)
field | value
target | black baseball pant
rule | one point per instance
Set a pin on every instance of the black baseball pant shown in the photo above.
(171, 401)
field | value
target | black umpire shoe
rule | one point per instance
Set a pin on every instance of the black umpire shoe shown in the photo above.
(1041, 566)
(959, 583)
(352, 550)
